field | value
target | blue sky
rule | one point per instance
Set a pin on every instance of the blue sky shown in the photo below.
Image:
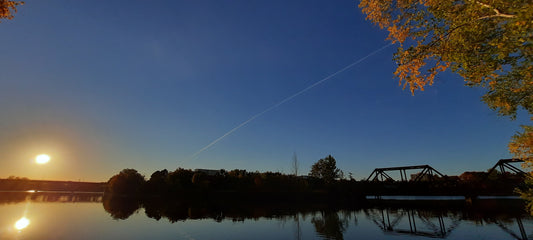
(106, 86)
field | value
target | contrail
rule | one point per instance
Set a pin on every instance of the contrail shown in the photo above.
(289, 98)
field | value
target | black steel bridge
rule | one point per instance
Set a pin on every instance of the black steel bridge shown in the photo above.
(427, 172)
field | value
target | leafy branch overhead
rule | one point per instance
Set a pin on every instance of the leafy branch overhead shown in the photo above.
(488, 43)
(8, 8)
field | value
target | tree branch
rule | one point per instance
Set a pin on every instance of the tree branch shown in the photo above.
(498, 13)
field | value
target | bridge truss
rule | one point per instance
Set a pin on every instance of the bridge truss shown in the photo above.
(380, 174)
(504, 164)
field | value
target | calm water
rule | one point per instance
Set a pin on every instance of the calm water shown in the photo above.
(87, 216)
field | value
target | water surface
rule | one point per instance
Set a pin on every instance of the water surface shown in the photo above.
(89, 216)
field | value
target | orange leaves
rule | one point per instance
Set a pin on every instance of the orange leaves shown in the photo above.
(485, 44)
(8, 8)
(398, 34)
(377, 11)
(409, 74)
(521, 145)
(413, 70)
(439, 67)
(410, 63)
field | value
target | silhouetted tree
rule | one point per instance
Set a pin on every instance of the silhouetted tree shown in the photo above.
(326, 169)
(157, 183)
(127, 182)
(180, 180)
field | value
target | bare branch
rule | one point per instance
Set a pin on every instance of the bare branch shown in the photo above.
(498, 13)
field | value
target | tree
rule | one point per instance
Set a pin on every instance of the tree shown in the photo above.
(157, 184)
(521, 144)
(521, 147)
(8, 8)
(127, 182)
(488, 44)
(326, 169)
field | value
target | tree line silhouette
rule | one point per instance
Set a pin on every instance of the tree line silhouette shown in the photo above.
(324, 183)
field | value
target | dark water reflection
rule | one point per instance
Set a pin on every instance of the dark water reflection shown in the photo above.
(377, 219)
(422, 218)
(330, 225)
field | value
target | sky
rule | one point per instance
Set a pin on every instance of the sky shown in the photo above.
(105, 86)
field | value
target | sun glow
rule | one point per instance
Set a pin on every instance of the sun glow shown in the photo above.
(42, 159)
(22, 223)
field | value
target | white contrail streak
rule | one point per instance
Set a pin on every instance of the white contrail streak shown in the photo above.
(288, 99)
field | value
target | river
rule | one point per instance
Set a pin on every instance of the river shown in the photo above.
(27, 215)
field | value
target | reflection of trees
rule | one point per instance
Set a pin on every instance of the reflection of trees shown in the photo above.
(435, 219)
(329, 225)
(120, 207)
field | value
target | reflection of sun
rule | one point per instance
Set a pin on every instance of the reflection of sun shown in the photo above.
(22, 223)
(42, 159)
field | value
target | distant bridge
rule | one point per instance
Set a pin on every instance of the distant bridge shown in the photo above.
(428, 172)
(380, 174)
(503, 164)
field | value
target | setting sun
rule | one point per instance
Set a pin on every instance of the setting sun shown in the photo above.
(22, 223)
(42, 159)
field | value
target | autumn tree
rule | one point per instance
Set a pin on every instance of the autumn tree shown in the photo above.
(487, 42)
(521, 144)
(8, 8)
(521, 147)
(326, 169)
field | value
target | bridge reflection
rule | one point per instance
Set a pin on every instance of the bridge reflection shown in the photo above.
(440, 223)
(419, 222)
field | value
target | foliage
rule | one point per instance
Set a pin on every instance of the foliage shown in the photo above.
(8, 8)
(488, 43)
(127, 182)
(180, 180)
(522, 147)
(326, 169)
(527, 193)
(156, 183)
